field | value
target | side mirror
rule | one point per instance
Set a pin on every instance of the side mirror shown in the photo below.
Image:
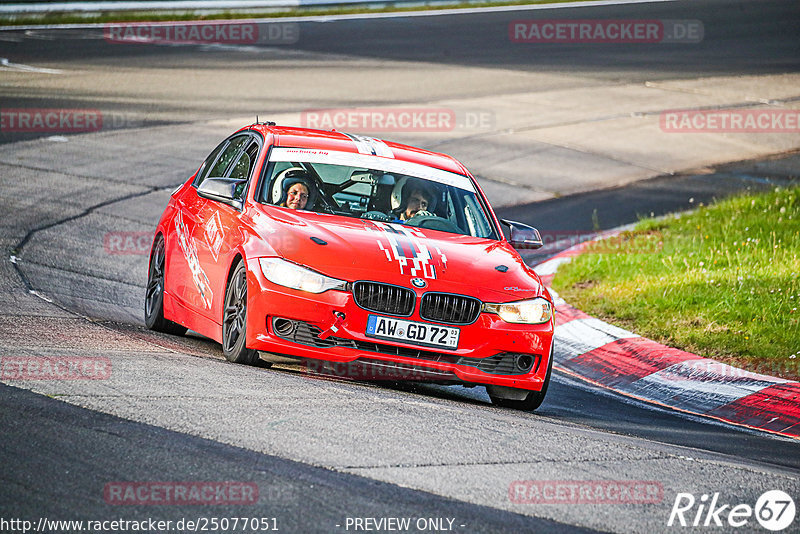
(222, 190)
(523, 236)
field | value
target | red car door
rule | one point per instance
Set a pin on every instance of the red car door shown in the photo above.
(192, 262)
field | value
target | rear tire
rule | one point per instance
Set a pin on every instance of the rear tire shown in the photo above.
(532, 400)
(154, 293)
(234, 320)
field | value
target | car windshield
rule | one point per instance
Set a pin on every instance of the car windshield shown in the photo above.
(376, 188)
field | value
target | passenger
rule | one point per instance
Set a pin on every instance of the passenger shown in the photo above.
(416, 200)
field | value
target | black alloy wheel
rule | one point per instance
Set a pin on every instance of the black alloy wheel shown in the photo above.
(234, 320)
(154, 294)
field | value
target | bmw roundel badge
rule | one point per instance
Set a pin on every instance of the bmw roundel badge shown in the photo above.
(418, 282)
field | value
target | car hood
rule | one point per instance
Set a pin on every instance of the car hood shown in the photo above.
(358, 249)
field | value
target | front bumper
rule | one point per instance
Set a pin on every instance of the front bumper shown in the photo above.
(487, 349)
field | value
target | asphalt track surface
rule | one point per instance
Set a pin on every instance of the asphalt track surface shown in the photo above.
(384, 456)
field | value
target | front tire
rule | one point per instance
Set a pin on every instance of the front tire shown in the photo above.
(234, 320)
(154, 293)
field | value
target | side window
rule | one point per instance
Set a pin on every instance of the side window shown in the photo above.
(208, 163)
(243, 166)
(227, 156)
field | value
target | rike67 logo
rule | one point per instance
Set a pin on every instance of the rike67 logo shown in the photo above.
(774, 510)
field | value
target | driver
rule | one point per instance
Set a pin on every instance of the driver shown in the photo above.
(296, 196)
(417, 202)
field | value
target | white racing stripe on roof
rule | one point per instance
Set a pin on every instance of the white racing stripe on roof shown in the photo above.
(368, 161)
(372, 146)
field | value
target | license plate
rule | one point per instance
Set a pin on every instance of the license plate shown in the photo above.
(430, 335)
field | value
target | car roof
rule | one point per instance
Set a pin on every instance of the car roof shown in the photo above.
(287, 136)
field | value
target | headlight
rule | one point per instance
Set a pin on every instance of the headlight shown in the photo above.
(288, 274)
(534, 311)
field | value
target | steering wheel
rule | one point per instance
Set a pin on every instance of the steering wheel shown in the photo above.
(434, 222)
(376, 216)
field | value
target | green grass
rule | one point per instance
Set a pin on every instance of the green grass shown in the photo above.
(341, 9)
(721, 282)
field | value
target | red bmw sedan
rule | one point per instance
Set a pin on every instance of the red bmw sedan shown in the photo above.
(349, 252)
